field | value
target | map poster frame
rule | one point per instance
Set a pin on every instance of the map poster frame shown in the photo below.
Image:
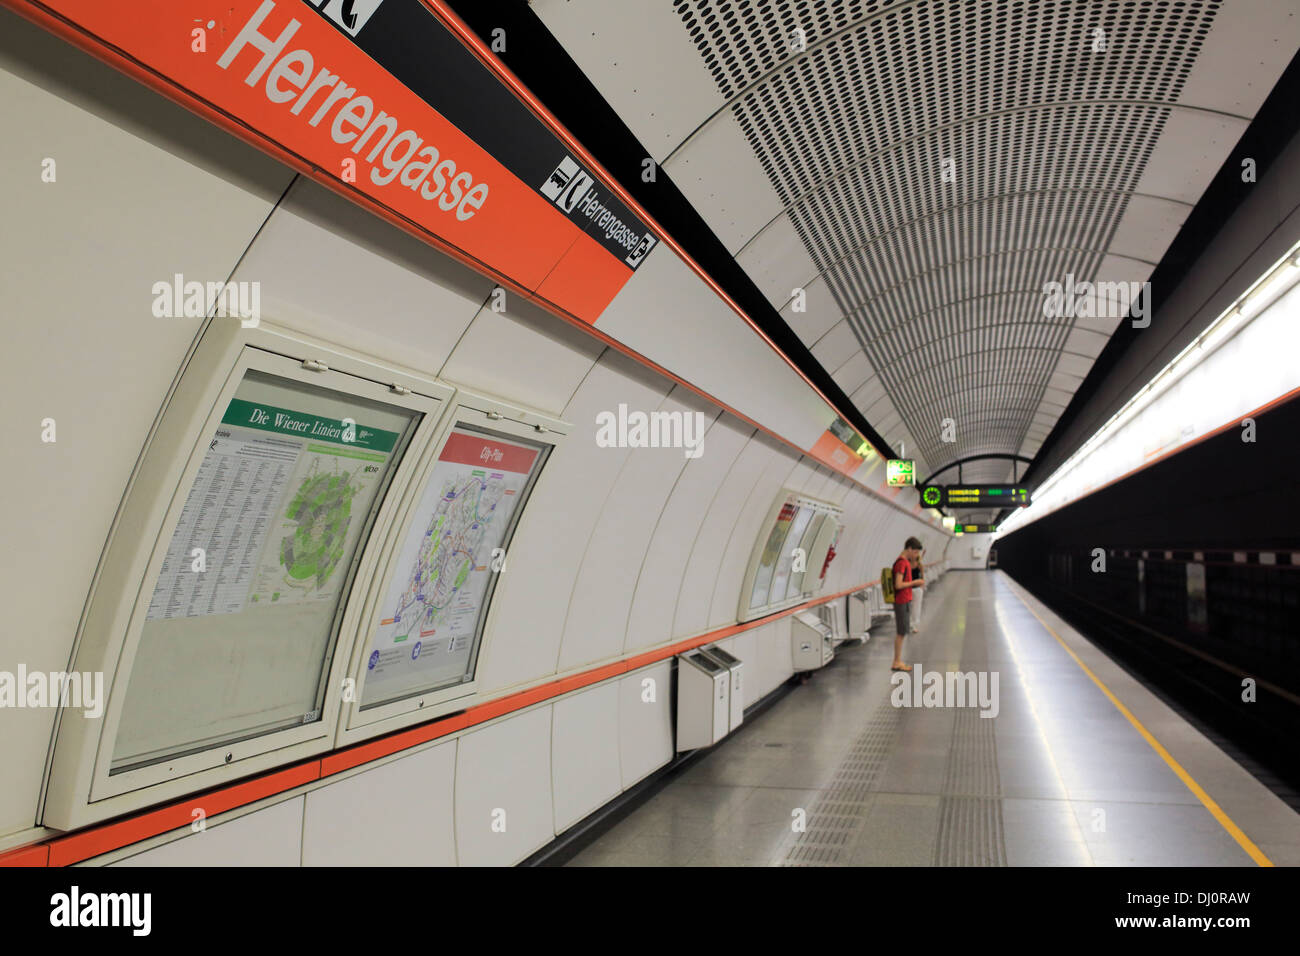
(364, 719)
(786, 498)
(80, 788)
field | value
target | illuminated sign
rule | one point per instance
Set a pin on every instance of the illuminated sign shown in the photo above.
(979, 528)
(900, 471)
(975, 496)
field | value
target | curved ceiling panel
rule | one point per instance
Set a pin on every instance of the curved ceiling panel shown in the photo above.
(928, 167)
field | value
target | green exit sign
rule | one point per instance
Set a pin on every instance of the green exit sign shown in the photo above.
(900, 471)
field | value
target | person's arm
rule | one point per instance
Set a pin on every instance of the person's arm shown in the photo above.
(900, 584)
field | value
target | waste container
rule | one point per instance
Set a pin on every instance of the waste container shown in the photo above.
(703, 700)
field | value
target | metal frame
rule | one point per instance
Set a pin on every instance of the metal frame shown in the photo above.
(468, 408)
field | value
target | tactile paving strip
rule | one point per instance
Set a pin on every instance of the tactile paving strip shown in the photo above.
(840, 811)
(970, 808)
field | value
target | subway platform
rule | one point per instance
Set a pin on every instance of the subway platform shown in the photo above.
(1077, 764)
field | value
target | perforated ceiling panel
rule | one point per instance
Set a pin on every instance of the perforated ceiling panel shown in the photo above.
(941, 161)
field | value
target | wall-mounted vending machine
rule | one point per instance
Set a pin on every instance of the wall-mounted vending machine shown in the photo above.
(703, 701)
(860, 615)
(832, 615)
(733, 666)
(812, 643)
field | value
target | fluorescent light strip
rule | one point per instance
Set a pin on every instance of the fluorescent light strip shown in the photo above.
(1246, 308)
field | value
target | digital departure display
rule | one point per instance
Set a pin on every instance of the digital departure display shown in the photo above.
(900, 471)
(978, 528)
(975, 496)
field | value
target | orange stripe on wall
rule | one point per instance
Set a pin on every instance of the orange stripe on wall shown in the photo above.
(113, 836)
(28, 856)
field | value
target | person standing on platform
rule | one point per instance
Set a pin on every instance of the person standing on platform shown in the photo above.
(903, 588)
(918, 597)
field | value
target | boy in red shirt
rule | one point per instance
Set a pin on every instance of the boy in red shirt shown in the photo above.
(903, 585)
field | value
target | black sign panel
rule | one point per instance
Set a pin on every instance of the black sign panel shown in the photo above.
(974, 496)
(408, 41)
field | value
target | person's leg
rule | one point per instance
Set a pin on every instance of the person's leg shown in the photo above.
(900, 631)
(914, 612)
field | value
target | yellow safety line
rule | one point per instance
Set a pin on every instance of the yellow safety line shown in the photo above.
(1216, 811)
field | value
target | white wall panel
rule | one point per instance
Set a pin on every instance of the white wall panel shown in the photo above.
(334, 270)
(523, 355)
(645, 727)
(530, 608)
(822, 485)
(1147, 227)
(744, 536)
(717, 171)
(819, 312)
(803, 474)
(504, 767)
(585, 752)
(398, 814)
(836, 347)
(964, 550)
(853, 373)
(1246, 42)
(650, 620)
(641, 59)
(700, 570)
(269, 837)
(667, 313)
(143, 190)
(777, 260)
(596, 626)
(1191, 148)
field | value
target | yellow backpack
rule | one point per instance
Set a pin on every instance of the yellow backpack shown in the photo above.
(887, 584)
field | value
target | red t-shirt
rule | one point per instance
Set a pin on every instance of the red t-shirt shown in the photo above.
(903, 567)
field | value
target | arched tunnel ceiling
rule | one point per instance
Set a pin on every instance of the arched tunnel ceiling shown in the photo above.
(920, 169)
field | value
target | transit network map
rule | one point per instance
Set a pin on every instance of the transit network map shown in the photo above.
(465, 514)
(433, 602)
(276, 509)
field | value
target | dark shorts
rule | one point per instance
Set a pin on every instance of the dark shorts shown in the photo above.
(903, 617)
